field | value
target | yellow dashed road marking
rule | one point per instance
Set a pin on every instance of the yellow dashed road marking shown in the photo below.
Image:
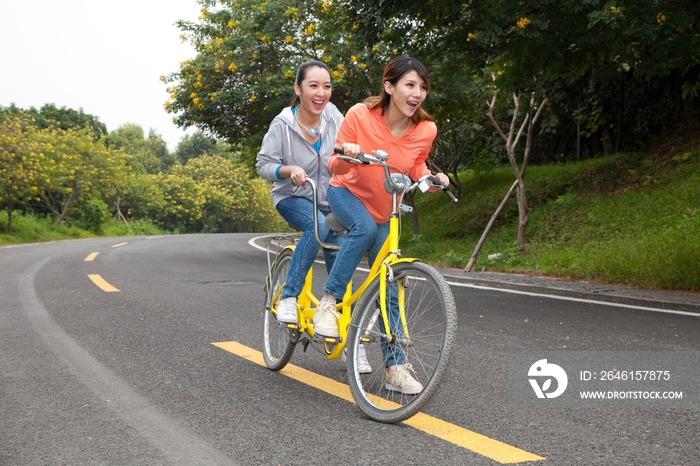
(91, 257)
(99, 281)
(497, 451)
(120, 244)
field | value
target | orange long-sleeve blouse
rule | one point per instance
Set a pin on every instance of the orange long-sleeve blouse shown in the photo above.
(368, 128)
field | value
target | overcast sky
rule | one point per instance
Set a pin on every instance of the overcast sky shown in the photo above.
(104, 56)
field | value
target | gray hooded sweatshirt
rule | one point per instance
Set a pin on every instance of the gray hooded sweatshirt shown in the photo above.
(284, 144)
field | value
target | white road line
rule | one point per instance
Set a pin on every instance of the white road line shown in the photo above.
(578, 300)
(537, 295)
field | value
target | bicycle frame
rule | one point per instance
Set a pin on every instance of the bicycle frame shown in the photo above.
(400, 291)
(388, 256)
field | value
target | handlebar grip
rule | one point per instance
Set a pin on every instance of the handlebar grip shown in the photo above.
(360, 157)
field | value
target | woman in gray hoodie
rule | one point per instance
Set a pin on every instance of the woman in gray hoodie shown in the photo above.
(298, 145)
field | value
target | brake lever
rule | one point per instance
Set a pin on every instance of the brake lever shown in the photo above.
(435, 182)
(360, 157)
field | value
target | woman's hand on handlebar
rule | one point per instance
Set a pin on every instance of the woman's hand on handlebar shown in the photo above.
(351, 150)
(442, 178)
(434, 182)
(297, 175)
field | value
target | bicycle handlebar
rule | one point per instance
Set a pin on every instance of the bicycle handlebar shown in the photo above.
(380, 157)
(437, 183)
(364, 159)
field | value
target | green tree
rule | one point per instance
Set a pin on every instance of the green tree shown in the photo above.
(247, 56)
(22, 148)
(235, 200)
(63, 118)
(55, 168)
(197, 144)
(183, 202)
(148, 154)
(139, 195)
(617, 70)
(76, 166)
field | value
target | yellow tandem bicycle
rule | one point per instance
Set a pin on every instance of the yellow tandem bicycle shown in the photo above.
(403, 305)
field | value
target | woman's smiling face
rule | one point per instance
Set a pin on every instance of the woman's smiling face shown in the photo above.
(315, 90)
(408, 93)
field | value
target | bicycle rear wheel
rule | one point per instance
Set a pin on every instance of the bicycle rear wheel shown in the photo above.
(278, 341)
(431, 324)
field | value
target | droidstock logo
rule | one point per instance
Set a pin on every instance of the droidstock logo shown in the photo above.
(541, 374)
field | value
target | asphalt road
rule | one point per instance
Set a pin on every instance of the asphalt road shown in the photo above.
(133, 377)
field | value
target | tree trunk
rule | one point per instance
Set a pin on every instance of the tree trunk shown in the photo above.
(523, 215)
(10, 208)
(620, 117)
(595, 144)
(511, 142)
(495, 215)
(62, 217)
(118, 214)
(578, 141)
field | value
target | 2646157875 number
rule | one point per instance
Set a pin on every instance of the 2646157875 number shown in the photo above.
(634, 375)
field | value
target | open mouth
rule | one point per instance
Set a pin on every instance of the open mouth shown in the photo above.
(413, 105)
(318, 104)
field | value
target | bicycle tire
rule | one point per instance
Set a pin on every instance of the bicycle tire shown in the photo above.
(431, 319)
(278, 341)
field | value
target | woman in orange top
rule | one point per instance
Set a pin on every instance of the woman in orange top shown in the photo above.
(394, 122)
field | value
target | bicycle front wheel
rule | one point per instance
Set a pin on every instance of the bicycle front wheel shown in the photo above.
(421, 348)
(278, 341)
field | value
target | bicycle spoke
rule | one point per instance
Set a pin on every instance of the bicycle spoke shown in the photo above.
(431, 322)
(278, 340)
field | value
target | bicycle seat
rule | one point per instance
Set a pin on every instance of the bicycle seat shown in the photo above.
(333, 224)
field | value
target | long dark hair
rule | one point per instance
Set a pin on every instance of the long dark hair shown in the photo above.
(393, 72)
(301, 75)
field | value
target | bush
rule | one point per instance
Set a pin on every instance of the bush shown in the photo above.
(91, 215)
(136, 227)
(28, 227)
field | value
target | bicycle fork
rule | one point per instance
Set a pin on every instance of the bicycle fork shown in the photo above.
(389, 286)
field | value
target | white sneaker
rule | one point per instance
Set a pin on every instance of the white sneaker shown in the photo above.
(400, 380)
(325, 320)
(363, 366)
(287, 311)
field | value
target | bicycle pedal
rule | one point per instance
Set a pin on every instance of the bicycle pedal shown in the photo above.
(288, 325)
(330, 340)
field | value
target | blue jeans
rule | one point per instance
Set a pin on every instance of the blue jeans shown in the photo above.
(298, 212)
(393, 354)
(365, 236)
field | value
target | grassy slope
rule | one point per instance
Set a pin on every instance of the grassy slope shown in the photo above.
(29, 228)
(629, 219)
